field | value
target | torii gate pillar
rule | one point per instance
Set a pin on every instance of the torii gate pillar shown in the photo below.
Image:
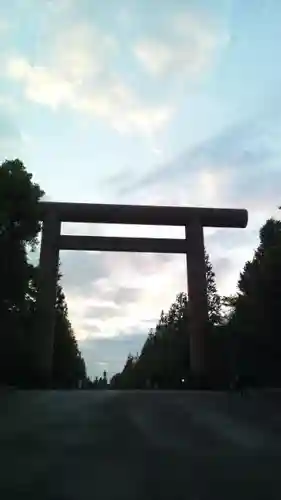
(197, 298)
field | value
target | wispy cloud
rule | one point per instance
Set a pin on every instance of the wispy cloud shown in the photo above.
(239, 166)
(189, 48)
(117, 292)
(77, 67)
(77, 72)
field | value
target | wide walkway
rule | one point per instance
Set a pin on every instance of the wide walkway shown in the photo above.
(104, 445)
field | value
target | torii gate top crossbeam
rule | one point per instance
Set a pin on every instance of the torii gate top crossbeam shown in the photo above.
(144, 214)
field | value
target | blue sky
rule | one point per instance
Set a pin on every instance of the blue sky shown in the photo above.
(143, 101)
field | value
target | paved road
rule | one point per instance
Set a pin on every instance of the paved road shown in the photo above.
(80, 445)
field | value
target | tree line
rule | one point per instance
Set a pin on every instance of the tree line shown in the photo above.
(244, 329)
(243, 340)
(19, 229)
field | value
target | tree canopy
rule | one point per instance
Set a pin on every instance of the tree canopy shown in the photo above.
(19, 229)
(245, 341)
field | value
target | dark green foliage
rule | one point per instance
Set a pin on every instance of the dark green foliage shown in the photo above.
(164, 359)
(214, 300)
(245, 341)
(19, 227)
(99, 383)
(256, 320)
(68, 365)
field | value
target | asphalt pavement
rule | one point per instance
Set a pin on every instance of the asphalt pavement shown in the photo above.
(64, 445)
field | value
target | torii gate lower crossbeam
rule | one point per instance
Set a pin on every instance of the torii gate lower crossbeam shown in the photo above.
(193, 219)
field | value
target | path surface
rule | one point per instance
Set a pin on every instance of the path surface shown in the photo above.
(80, 445)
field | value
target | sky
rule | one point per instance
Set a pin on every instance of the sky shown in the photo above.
(143, 102)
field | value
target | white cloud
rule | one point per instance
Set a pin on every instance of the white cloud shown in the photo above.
(204, 186)
(77, 72)
(155, 56)
(78, 68)
(41, 84)
(120, 107)
(81, 51)
(117, 292)
(189, 48)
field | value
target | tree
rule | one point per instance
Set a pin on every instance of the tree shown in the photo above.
(19, 226)
(255, 323)
(115, 381)
(246, 341)
(68, 364)
(164, 358)
(217, 340)
(214, 300)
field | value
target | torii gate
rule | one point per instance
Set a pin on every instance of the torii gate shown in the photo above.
(193, 219)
